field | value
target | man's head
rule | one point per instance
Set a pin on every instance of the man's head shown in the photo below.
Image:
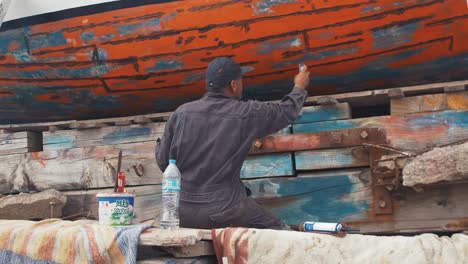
(224, 76)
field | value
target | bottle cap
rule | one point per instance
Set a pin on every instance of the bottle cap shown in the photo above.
(172, 161)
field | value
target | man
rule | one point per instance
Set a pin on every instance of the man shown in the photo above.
(211, 137)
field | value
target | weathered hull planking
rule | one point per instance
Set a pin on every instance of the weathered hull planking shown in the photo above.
(151, 57)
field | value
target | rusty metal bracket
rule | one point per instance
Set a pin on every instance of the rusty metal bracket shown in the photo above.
(382, 183)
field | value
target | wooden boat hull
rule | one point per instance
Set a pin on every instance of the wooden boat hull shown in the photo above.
(114, 59)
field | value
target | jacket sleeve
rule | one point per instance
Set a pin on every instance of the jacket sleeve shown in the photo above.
(270, 117)
(163, 145)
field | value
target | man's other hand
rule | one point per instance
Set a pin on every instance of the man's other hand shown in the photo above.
(302, 78)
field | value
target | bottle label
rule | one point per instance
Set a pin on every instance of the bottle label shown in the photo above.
(321, 227)
(171, 185)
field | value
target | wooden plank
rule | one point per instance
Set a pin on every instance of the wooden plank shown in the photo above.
(411, 132)
(65, 139)
(324, 112)
(173, 238)
(270, 165)
(437, 208)
(166, 260)
(201, 248)
(332, 196)
(20, 142)
(147, 202)
(318, 140)
(79, 168)
(331, 158)
(429, 103)
(378, 97)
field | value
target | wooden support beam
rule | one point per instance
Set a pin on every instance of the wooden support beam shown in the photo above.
(411, 132)
(172, 260)
(181, 237)
(429, 103)
(78, 168)
(331, 158)
(20, 142)
(201, 248)
(65, 139)
(341, 195)
(270, 165)
(311, 114)
(455, 88)
(319, 140)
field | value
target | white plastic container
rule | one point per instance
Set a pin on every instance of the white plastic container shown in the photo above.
(115, 209)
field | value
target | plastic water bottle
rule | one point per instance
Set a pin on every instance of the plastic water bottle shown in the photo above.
(170, 197)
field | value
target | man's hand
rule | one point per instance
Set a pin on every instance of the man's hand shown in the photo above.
(302, 78)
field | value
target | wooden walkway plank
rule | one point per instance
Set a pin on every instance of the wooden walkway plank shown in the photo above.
(269, 165)
(331, 158)
(412, 132)
(65, 139)
(79, 168)
(429, 103)
(173, 238)
(326, 196)
(319, 113)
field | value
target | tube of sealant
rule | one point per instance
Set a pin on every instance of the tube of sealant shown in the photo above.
(330, 228)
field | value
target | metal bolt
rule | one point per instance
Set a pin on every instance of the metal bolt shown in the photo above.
(258, 144)
(382, 204)
(389, 187)
(364, 135)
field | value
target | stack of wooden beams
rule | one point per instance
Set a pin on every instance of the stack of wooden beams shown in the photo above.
(317, 184)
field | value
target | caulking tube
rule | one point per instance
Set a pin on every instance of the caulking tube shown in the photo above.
(321, 227)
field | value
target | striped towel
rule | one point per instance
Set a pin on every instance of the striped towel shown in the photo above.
(58, 241)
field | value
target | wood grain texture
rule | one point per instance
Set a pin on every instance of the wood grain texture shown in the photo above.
(411, 132)
(437, 208)
(430, 103)
(173, 238)
(147, 203)
(331, 158)
(66, 139)
(326, 196)
(20, 142)
(79, 168)
(269, 165)
(318, 113)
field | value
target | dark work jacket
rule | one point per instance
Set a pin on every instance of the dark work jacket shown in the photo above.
(209, 139)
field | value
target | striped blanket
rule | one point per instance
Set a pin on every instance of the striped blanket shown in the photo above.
(58, 241)
(244, 246)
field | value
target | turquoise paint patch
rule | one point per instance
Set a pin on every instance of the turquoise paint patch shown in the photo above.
(264, 6)
(310, 198)
(318, 56)
(268, 47)
(454, 119)
(48, 40)
(322, 113)
(394, 36)
(162, 65)
(325, 126)
(89, 36)
(93, 71)
(154, 24)
(126, 134)
(58, 142)
(267, 166)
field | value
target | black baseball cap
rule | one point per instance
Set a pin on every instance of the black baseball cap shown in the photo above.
(220, 72)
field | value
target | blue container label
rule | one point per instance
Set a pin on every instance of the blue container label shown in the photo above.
(171, 185)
